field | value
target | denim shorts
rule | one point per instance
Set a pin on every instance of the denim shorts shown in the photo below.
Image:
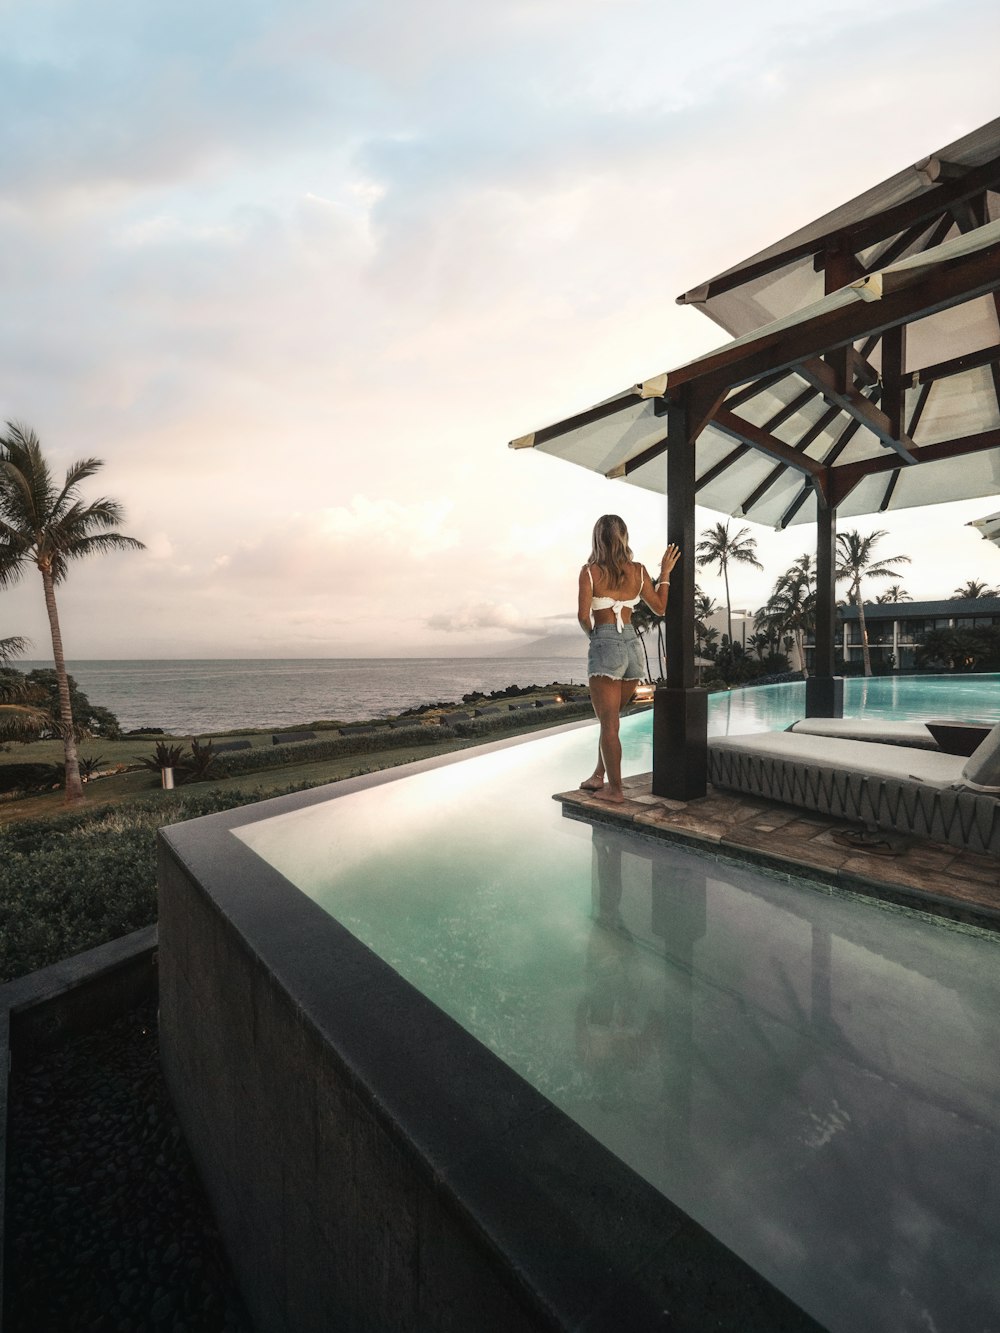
(618, 656)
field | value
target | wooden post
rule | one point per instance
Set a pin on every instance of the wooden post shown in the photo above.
(680, 710)
(824, 690)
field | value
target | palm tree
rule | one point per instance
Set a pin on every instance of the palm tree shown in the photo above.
(973, 590)
(48, 526)
(791, 608)
(894, 593)
(854, 563)
(720, 547)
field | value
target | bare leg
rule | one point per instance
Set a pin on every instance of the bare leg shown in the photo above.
(595, 782)
(608, 698)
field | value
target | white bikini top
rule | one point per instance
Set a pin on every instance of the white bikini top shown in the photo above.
(614, 603)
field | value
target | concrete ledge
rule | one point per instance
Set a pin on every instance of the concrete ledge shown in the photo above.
(70, 998)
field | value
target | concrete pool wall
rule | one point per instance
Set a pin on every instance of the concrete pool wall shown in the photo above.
(373, 1166)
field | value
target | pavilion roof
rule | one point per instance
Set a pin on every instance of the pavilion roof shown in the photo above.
(881, 392)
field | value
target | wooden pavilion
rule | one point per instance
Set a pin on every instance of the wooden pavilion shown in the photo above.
(863, 376)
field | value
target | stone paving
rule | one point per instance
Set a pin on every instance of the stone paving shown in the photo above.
(931, 876)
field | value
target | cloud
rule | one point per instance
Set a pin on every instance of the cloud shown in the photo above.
(347, 556)
(297, 273)
(474, 616)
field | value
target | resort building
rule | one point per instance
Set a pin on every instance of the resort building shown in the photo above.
(897, 629)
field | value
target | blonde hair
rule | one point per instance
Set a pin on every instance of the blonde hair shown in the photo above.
(610, 549)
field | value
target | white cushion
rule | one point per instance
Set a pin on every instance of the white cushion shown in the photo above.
(981, 771)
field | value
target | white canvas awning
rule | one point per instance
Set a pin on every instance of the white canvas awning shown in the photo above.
(782, 425)
(989, 527)
(953, 190)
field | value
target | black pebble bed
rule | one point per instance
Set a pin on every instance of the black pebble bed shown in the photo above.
(107, 1226)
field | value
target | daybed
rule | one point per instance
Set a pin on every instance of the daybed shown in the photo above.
(952, 737)
(904, 790)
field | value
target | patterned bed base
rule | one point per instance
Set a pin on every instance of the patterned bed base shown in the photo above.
(962, 818)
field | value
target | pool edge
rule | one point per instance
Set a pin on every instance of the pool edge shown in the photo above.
(334, 1111)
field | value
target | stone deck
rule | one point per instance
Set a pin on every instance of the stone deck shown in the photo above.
(929, 876)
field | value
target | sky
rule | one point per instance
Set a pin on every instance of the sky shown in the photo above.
(297, 272)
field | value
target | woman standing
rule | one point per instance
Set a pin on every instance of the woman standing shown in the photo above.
(611, 585)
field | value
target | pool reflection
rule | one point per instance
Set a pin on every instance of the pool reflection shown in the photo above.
(811, 1093)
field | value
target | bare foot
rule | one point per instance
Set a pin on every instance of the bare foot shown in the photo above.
(612, 797)
(592, 784)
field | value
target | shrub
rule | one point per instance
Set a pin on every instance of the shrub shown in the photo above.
(551, 714)
(238, 762)
(29, 777)
(81, 878)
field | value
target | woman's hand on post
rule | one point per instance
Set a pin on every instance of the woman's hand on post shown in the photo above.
(670, 557)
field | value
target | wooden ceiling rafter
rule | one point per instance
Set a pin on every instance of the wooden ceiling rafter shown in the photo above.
(844, 478)
(898, 247)
(917, 295)
(969, 215)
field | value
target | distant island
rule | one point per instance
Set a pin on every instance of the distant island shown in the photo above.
(551, 645)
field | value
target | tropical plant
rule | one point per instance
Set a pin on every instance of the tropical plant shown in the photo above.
(961, 649)
(15, 646)
(21, 717)
(88, 718)
(855, 562)
(90, 764)
(649, 625)
(705, 635)
(718, 546)
(973, 590)
(47, 525)
(893, 594)
(164, 756)
(202, 763)
(790, 611)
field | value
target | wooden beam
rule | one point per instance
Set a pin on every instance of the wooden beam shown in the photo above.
(795, 506)
(917, 294)
(986, 356)
(843, 479)
(971, 214)
(587, 418)
(698, 403)
(907, 238)
(887, 497)
(748, 433)
(749, 391)
(823, 377)
(893, 388)
(815, 430)
(918, 409)
(860, 369)
(838, 264)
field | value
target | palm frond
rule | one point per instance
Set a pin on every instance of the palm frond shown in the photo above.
(75, 473)
(14, 646)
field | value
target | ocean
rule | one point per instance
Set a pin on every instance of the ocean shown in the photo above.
(187, 698)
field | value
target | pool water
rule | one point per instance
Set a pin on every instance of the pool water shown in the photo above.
(814, 1079)
(974, 698)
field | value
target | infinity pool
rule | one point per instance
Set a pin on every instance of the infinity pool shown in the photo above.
(812, 1078)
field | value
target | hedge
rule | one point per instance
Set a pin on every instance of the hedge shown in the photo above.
(237, 762)
(551, 714)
